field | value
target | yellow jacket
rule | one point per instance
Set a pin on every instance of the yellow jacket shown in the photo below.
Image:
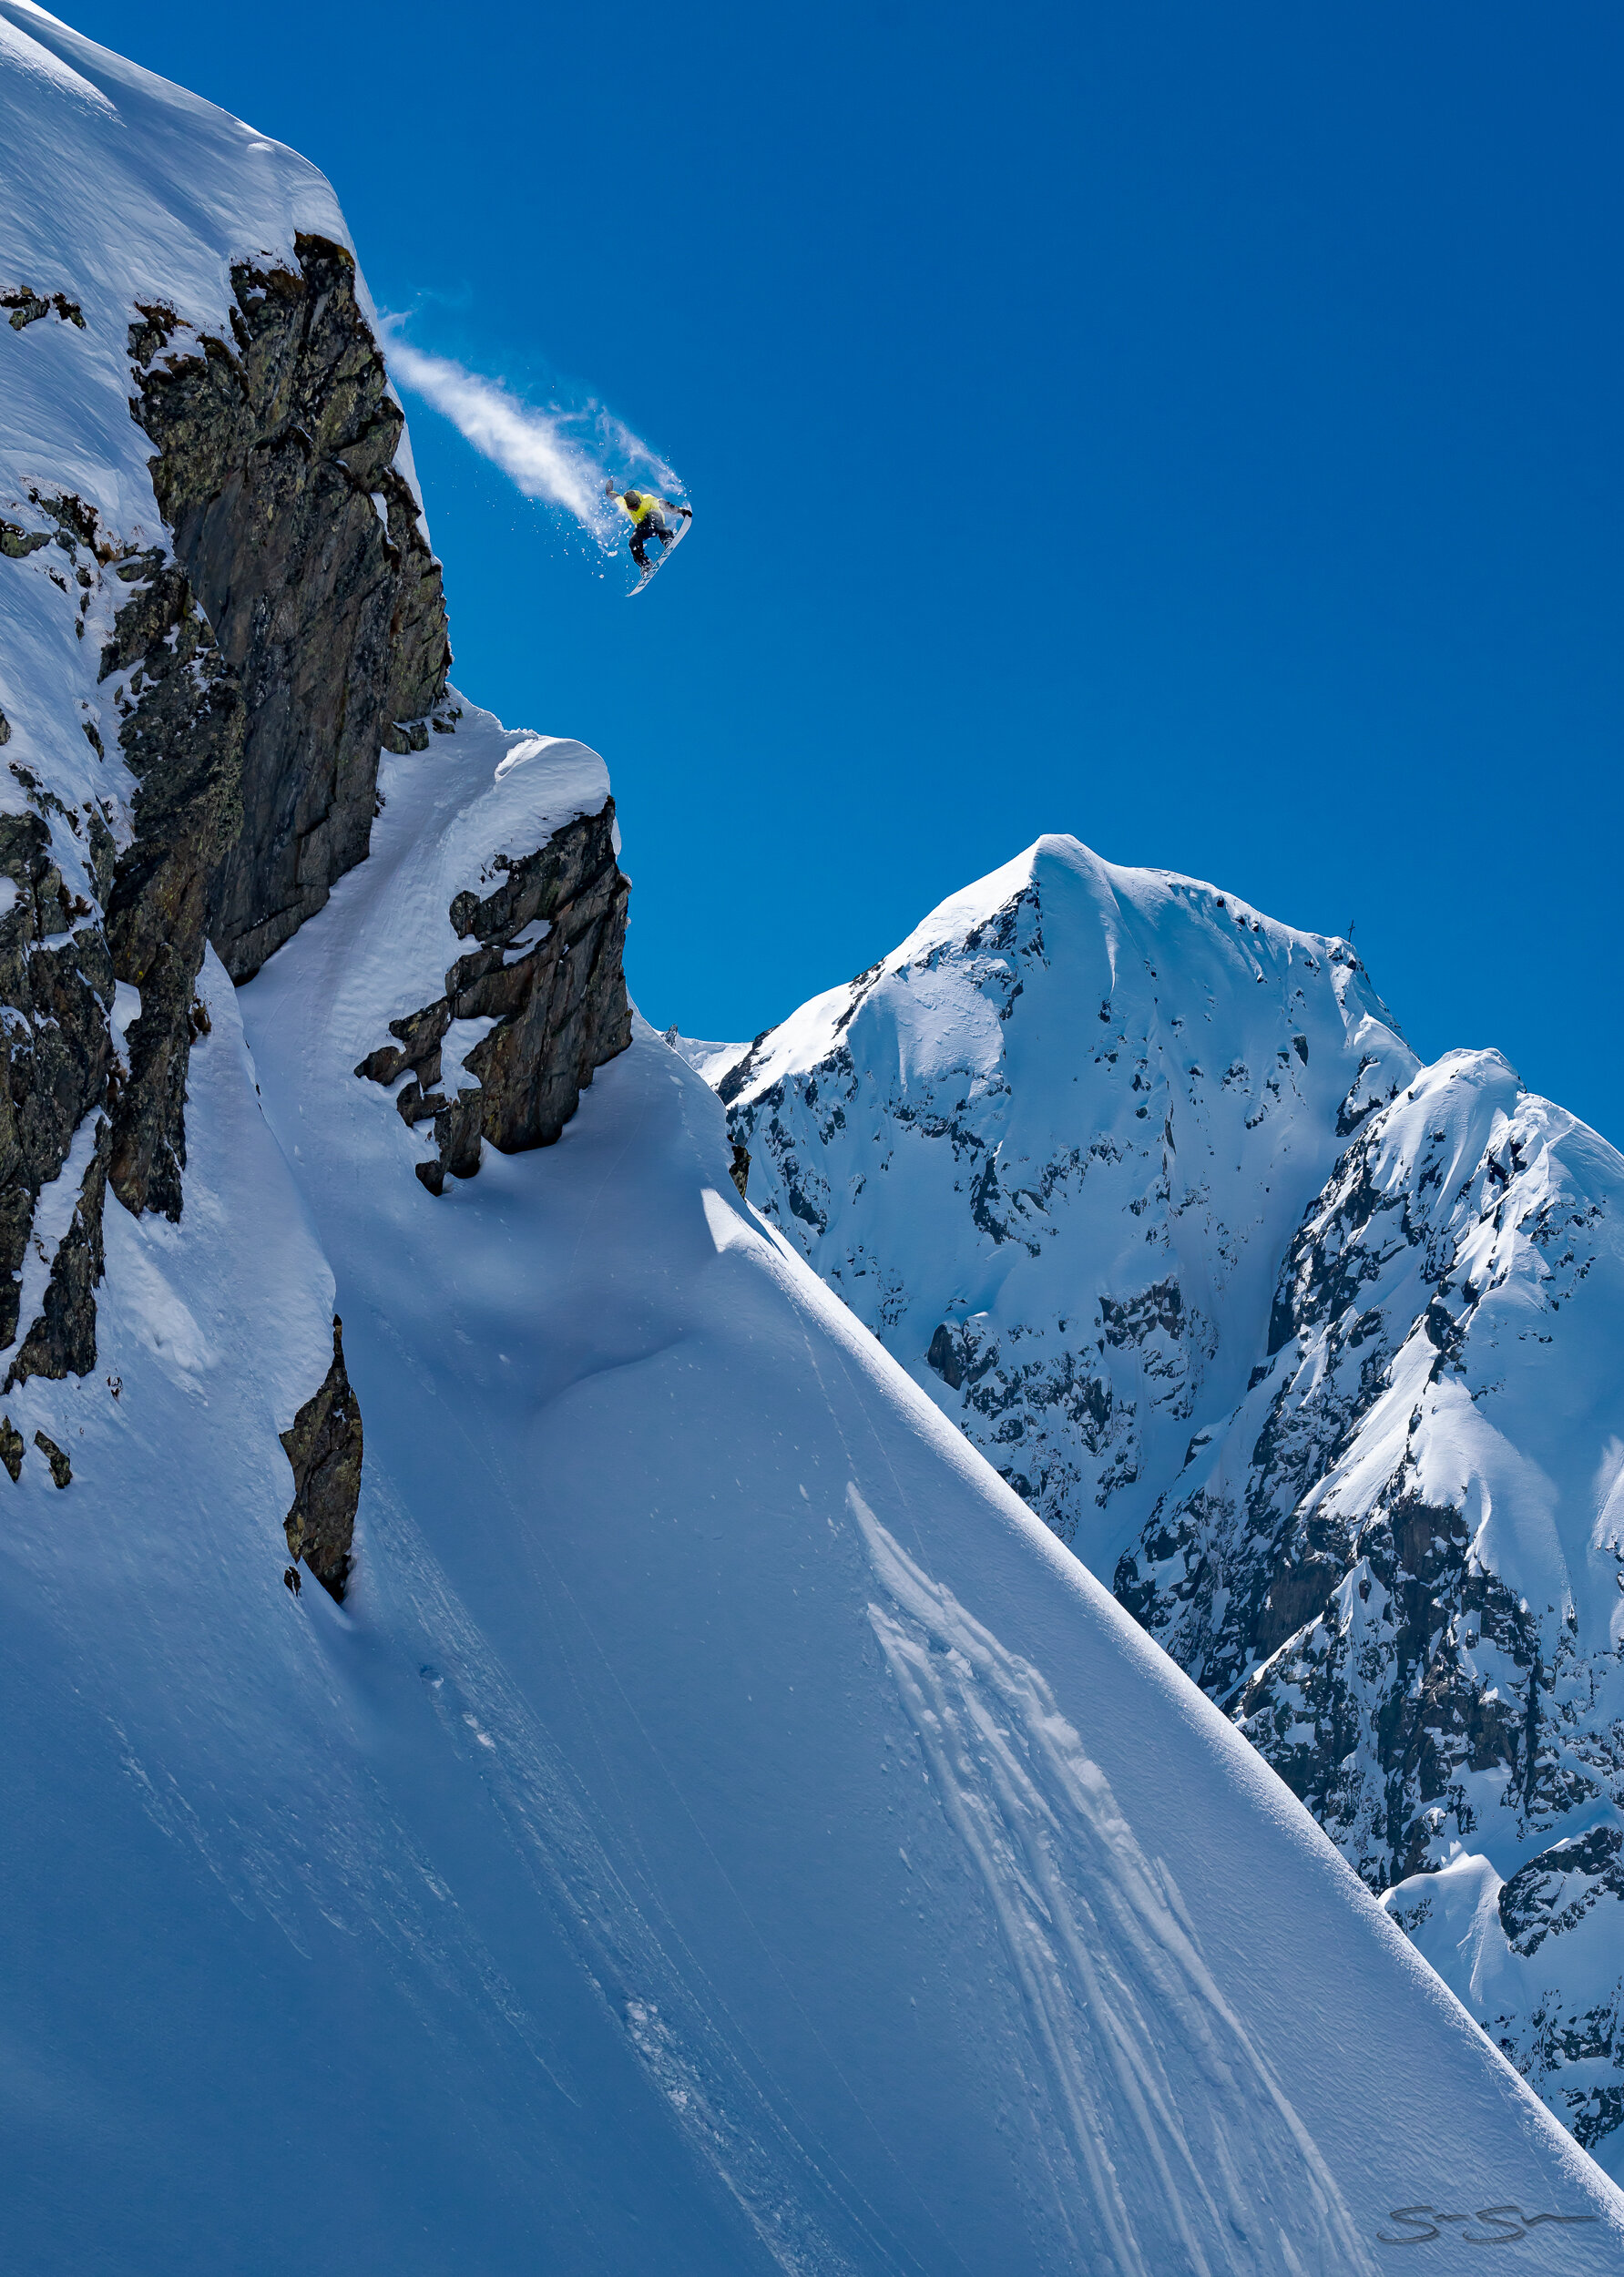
(646, 503)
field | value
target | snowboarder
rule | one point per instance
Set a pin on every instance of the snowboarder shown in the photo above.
(291, 1580)
(647, 514)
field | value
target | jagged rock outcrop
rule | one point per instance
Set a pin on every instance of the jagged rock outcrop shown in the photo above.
(1399, 1564)
(254, 671)
(325, 1449)
(1319, 1565)
(276, 475)
(250, 671)
(62, 1341)
(545, 979)
(61, 1468)
(27, 307)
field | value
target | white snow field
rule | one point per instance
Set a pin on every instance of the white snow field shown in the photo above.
(722, 1830)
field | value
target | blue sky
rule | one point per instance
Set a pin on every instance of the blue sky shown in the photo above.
(1196, 429)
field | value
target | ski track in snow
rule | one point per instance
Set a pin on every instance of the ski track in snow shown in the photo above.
(1122, 2005)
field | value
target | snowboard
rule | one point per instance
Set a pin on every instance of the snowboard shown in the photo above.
(658, 561)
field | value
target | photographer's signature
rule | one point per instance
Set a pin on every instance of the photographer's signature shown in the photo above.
(1495, 2225)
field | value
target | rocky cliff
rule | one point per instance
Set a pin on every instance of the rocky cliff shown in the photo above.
(543, 987)
(1400, 1564)
(302, 541)
(251, 623)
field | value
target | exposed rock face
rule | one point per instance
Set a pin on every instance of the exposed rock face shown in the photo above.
(182, 738)
(275, 473)
(27, 307)
(56, 983)
(62, 1341)
(1317, 1567)
(253, 674)
(546, 974)
(1399, 1564)
(1555, 1891)
(325, 1449)
(1571, 2043)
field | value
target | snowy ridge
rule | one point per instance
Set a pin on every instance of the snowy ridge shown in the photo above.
(648, 1846)
(1312, 1350)
(163, 193)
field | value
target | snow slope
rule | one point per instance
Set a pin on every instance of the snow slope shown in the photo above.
(722, 1825)
(722, 1830)
(1313, 1351)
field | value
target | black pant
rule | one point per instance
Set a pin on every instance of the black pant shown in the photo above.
(651, 525)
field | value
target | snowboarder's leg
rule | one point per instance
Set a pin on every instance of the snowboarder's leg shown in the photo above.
(638, 554)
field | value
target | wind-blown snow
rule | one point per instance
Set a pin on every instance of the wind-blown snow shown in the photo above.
(548, 452)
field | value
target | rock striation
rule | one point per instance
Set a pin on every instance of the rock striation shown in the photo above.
(56, 1053)
(184, 721)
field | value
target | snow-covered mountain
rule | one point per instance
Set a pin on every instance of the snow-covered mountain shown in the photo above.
(579, 1766)
(1313, 1351)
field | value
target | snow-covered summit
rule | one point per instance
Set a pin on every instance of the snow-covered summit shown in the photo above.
(1053, 1145)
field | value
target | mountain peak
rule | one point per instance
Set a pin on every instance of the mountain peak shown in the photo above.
(1148, 1193)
